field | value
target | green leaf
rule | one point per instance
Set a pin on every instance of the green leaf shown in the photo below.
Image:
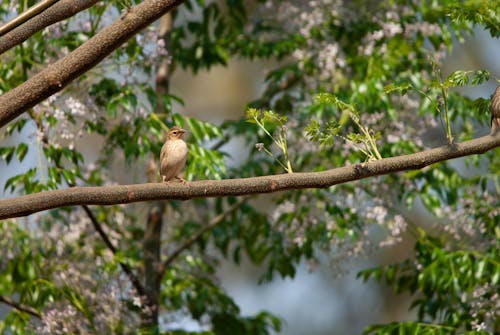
(7, 153)
(69, 176)
(402, 89)
(479, 77)
(457, 78)
(15, 125)
(21, 151)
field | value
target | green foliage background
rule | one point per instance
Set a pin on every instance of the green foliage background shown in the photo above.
(387, 101)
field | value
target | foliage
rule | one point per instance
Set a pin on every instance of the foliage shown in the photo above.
(352, 81)
(457, 288)
(261, 118)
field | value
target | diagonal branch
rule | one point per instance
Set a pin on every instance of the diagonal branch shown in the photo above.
(194, 238)
(55, 76)
(28, 23)
(128, 271)
(20, 307)
(122, 194)
(26, 15)
(98, 227)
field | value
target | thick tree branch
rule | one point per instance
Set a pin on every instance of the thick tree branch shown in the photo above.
(55, 76)
(28, 23)
(121, 194)
(20, 307)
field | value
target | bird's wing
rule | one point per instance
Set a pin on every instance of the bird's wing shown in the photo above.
(163, 158)
(495, 104)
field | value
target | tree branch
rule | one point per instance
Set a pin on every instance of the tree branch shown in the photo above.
(128, 271)
(122, 194)
(55, 76)
(193, 238)
(26, 15)
(98, 227)
(20, 307)
(28, 23)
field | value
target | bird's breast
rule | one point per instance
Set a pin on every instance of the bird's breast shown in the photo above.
(176, 150)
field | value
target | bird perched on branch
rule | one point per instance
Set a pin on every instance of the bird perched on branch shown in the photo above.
(173, 155)
(495, 111)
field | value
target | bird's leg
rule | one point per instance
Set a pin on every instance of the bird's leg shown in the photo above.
(182, 180)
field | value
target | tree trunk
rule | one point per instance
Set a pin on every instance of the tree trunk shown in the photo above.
(152, 236)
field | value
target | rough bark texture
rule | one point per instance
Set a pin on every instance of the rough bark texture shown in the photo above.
(122, 194)
(59, 11)
(56, 76)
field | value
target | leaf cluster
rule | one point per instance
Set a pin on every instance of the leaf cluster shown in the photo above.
(443, 284)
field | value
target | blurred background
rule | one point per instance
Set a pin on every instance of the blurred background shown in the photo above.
(327, 299)
(323, 298)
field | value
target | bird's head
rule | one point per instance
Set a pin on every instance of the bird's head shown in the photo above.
(176, 133)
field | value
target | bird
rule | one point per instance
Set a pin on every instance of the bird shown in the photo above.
(495, 111)
(173, 155)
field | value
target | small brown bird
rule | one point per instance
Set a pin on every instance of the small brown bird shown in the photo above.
(173, 155)
(495, 111)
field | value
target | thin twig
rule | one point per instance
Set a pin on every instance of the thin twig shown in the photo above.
(59, 11)
(20, 307)
(220, 143)
(98, 227)
(26, 15)
(195, 237)
(128, 271)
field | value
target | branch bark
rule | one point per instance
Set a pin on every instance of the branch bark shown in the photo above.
(122, 194)
(56, 76)
(15, 32)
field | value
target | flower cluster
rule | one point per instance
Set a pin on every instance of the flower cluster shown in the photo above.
(154, 47)
(69, 114)
(467, 221)
(95, 288)
(485, 307)
(321, 53)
